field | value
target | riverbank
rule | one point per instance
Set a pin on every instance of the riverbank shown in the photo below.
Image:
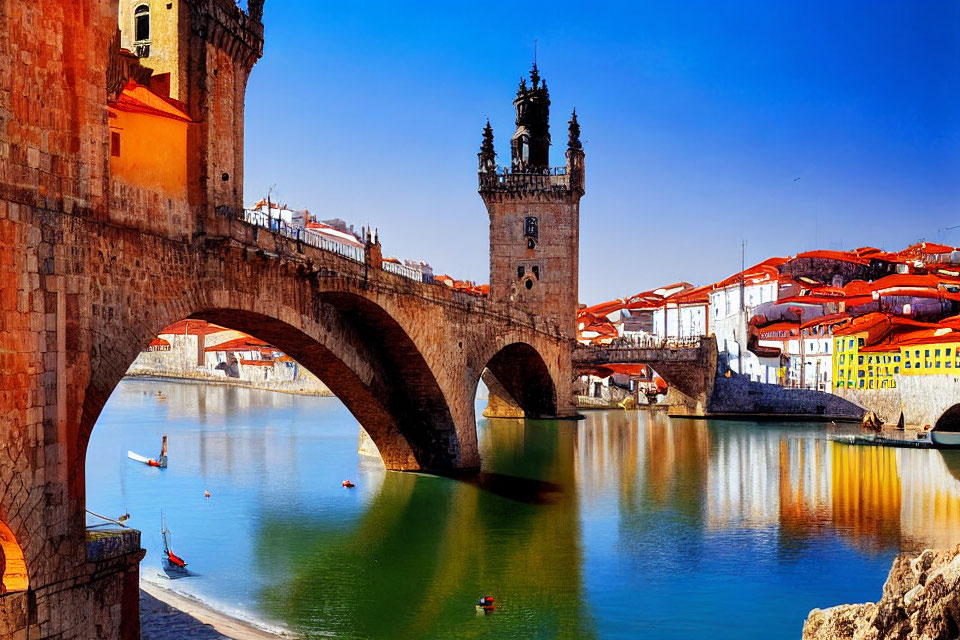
(167, 615)
(230, 382)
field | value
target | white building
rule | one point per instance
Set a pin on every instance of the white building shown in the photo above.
(732, 303)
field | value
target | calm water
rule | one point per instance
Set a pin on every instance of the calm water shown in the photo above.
(627, 525)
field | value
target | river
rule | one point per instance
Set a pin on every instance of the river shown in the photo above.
(625, 525)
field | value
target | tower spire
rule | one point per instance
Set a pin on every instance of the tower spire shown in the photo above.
(574, 131)
(487, 155)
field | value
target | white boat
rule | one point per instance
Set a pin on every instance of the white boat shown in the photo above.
(159, 462)
(945, 438)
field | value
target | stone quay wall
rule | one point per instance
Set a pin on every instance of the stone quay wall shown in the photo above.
(923, 398)
(739, 395)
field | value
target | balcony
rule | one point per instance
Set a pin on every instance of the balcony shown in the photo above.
(550, 179)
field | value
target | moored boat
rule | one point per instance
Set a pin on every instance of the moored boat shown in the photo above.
(173, 565)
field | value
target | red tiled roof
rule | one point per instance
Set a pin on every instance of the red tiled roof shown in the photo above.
(842, 256)
(192, 328)
(762, 272)
(248, 343)
(137, 98)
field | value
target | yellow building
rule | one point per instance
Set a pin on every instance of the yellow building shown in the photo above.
(931, 356)
(150, 29)
(861, 359)
(856, 366)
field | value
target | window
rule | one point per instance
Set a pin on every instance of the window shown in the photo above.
(860, 342)
(938, 364)
(896, 370)
(936, 353)
(896, 358)
(842, 359)
(115, 144)
(916, 354)
(520, 272)
(859, 359)
(141, 23)
(926, 353)
(850, 343)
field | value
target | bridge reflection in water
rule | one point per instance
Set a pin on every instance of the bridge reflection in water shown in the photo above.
(629, 524)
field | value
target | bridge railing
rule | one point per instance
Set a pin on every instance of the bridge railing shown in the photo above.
(652, 342)
(403, 270)
(276, 225)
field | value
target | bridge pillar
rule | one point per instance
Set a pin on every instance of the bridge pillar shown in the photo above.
(499, 402)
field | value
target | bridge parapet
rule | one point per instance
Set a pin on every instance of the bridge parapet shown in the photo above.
(287, 246)
(647, 352)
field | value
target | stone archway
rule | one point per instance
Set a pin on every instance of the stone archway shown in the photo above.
(519, 384)
(949, 420)
(356, 348)
(13, 567)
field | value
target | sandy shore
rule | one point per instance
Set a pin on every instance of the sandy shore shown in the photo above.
(165, 615)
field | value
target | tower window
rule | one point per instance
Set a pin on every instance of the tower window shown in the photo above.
(531, 227)
(520, 272)
(114, 144)
(536, 271)
(141, 23)
(529, 284)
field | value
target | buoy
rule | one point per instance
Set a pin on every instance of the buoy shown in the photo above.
(206, 494)
(348, 484)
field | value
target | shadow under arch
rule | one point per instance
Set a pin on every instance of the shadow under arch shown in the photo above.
(13, 567)
(949, 421)
(520, 384)
(351, 344)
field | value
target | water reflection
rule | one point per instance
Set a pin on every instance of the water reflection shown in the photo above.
(625, 525)
(428, 547)
(749, 476)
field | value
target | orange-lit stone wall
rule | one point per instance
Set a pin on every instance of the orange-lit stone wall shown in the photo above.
(153, 153)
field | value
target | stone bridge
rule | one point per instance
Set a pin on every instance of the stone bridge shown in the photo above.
(688, 368)
(95, 263)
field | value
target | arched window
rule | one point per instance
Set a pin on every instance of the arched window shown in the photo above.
(141, 23)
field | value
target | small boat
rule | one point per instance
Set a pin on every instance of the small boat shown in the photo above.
(348, 484)
(485, 604)
(160, 462)
(171, 562)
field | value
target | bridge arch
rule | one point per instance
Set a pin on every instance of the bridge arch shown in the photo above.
(350, 343)
(13, 567)
(949, 420)
(520, 384)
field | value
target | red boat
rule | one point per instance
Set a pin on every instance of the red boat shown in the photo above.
(173, 565)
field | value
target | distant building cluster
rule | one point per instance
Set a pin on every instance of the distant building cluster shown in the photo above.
(202, 350)
(822, 320)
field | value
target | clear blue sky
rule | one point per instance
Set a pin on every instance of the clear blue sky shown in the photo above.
(697, 117)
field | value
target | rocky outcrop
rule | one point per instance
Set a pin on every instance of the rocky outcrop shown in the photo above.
(921, 601)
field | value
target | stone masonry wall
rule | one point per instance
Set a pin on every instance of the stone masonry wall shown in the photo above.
(738, 394)
(923, 398)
